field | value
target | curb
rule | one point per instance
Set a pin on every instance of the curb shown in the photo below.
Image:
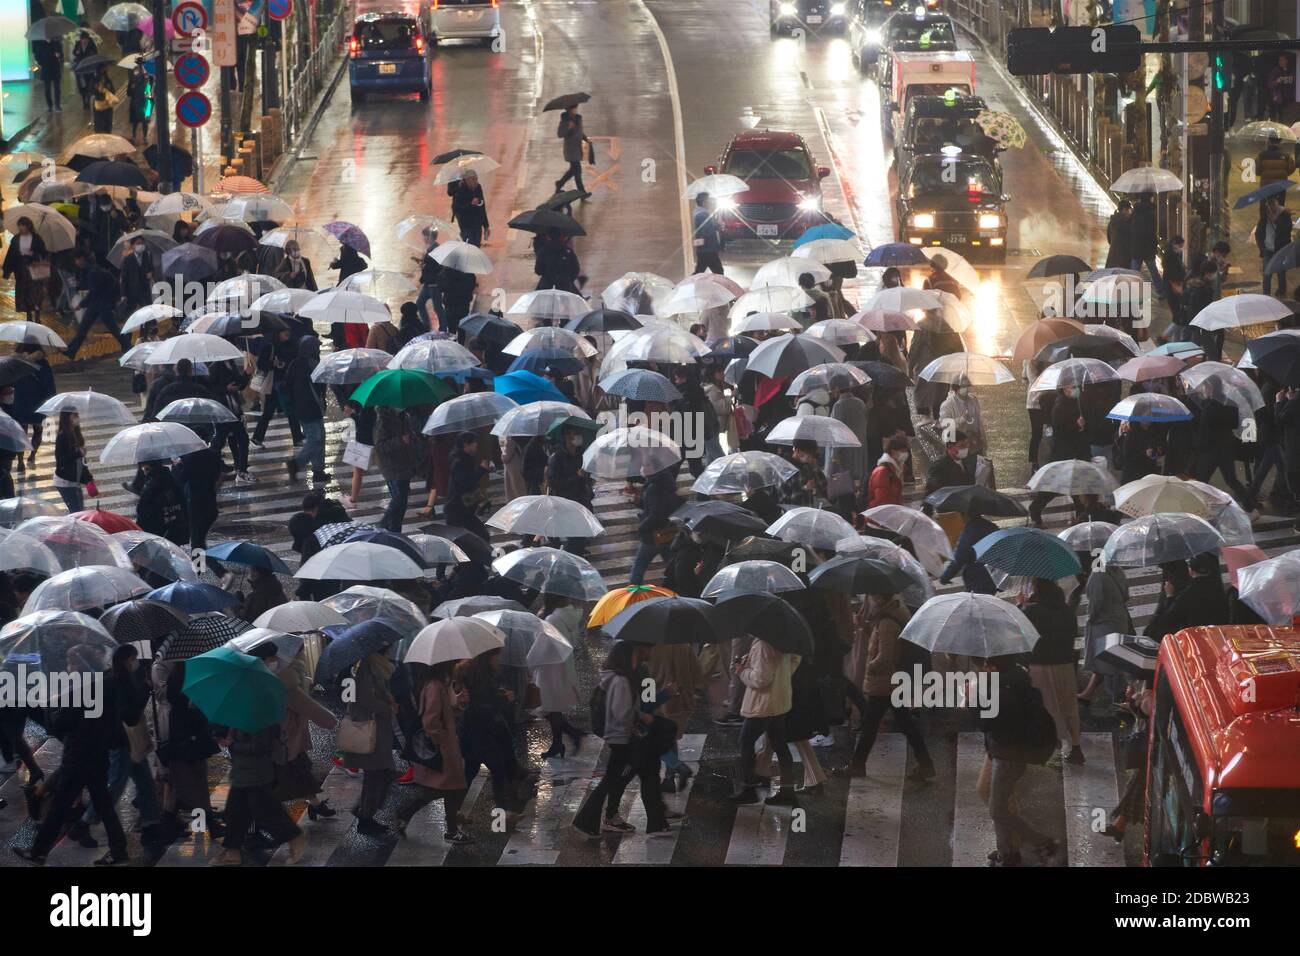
(284, 165)
(6, 144)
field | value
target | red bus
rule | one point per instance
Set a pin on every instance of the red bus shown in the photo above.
(1223, 768)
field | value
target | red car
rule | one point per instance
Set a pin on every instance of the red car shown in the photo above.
(785, 191)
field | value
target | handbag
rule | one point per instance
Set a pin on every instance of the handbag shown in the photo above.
(744, 427)
(357, 736)
(262, 382)
(591, 153)
(39, 271)
(665, 536)
(839, 485)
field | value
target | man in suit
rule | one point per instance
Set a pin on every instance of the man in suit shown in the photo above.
(99, 300)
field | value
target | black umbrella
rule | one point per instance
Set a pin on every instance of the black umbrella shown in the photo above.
(391, 539)
(475, 548)
(350, 644)
(13, 368)
(1058, 266)
(112, 173)
(859, 574)
(757, 548)
(488, 328)
(883, 375)
(92, 63)
(142, 620)
(562, 200)
(733, 346)
(451, 154)
(226, 238)
(565, 101)
(545, 220)
(182, 161)
(765, 616)
(674, 620)
(1283, 260)
(731, 527)
(960, 498)
(602, 320)
(1278, 356)
(1101, 347)
(694, 510)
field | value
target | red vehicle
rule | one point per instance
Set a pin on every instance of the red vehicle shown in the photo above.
(1223, 768)
(785, 191)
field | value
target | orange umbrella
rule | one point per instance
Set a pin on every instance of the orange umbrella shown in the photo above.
(1041, 333)
(236, 185)
(620, 598)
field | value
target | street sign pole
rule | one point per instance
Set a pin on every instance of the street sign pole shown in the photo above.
(1217, 158)
(162, 109)
(196, 150)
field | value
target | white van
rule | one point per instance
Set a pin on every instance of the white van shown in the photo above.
(465, 20)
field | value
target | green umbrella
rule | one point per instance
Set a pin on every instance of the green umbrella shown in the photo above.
(234, 690)
(402, 388)
(573, 421)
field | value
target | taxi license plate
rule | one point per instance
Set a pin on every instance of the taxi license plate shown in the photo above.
(956, 237)
(387, 69)
(467, 14)
(814, 18)
(767, 230)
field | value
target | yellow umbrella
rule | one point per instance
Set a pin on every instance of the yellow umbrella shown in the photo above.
(620, 598)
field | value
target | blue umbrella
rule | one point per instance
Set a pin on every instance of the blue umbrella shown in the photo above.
(526, 387)
(640, 385)
(559, 361)
(1030, 552)
(897, 254)
(1263, 192)
(461, 375)
(733, 346)
(1150, 407)
(827, 230)
(249, 555)
(193, 597)
(1176, 349)
(350, 644)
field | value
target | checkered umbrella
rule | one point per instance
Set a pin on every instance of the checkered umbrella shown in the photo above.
(203, 633)
(1073, 477)
(331, 534)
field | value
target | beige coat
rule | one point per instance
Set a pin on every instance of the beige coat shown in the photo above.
(383, 336)
(676, 663)
(766, 676)
(300, 711)
(438, 716)
(883, 627)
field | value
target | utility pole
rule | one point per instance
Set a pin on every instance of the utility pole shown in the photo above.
(1217, 157)
(161, 105)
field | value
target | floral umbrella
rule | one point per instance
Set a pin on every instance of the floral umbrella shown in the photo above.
(349, 235)
(1003, 128)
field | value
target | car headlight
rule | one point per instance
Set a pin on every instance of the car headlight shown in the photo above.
(923, 220)
(810, 203)
(787, 10)
(839, 9)
(990, 220)
(726, 203)
(873, 37)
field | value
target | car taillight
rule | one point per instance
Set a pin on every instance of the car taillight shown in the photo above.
(419, 44)
(353, 45)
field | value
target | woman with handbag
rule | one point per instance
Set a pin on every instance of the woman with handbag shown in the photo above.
(70, 471)
(438, 769)
(103, 98)
(27, 263)
(294, 779)
(487, 736)
(365, 738)
(184, 746)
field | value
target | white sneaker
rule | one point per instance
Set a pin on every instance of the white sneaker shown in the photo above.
(347, 502)
(245, 478)
(822, 740)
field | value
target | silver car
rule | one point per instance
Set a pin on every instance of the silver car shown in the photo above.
(466, 20)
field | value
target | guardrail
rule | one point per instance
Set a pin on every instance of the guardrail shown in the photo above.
(315, 73)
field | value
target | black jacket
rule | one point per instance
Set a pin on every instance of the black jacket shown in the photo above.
(1133, 448)
(658, 501)
(1057, 628)
(306, 398)
(1005, 733)
(1144, 231)
(174, 391)
(1068, 439)
(1203, 602)
(348, 262)
(563, 478)
(161, 508)
(463, 209)
(220, 376)
(1119, 233)
(1281, 233)
(947, 472)
(69, 463)
(137, 279)
(88, 740)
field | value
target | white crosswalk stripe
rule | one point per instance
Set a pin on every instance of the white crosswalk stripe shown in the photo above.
(874, 813)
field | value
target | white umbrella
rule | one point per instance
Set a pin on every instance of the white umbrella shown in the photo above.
(970, 367)
(1157, 539)
(150, 313)
(979, 625)
(548, 337)
(31, 333)
(1272, 588)
(435, 550)
(350, 366)
(958, 267)
(1147, 179)
(299, 617)
(695, 297)
(1119, 335)
(465, 413)
(1088, 536)
(630, 452)
(278, 238)
(1072, 477)
(547, 515)
(54, 189)
(812, 527)
(743, 472)
(85, 587)
(550, 647)
(95, 408)
(840, 332)
(550, 571)
(381, 283)
(359, 561)
(239, 294)
(1237, 311)
(177, 204)
(282, 301)
(903, 299)
(454, 639)
(756, 575)
(638, 293)
(261, 207)
(475, 604)
(933, 549)
(828, 251)
(462, 257)
(195, 346)
(153, 441)
(825, 431)
(476, 163)
(770, 298)
(535, 418)
(765, 322)
(75, 542)
(156, 241)
(196, 411)
(14, 511)
(54, 228)
(339, 305)
(22, 552)
(717, 185)
(787, 271)
(435, 357)
(550, 305)
(1156, 494)
(1073, 372)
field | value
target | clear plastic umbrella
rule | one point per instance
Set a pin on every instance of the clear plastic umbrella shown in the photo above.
(468, 412)
(640, 293)
(670, 346)
(632, 452)
(350, 366)
(177, 204)
(299, 617)
(812, 527)
(770, 298)
(287, 645)
(435, 550)
(825, 431)
(979, 625)
(154, 441)
(546, 515)
(83, 588)
(1239, 311)
(435, 356)
(1223, 383)
(827, 251)
(933, 549)
(1072, 477)
(75, 543)
(95, 408)
(550, 305)
(535, 418)
(921, 589)
(137, 356)
(14, 511)
(475, 604)
(359, 561)
(1150, 407)
(765, 322)
(454, 639)
(788, 355)
(1073, 373)
(743, 472)
(970, 367)
(31, 333)
(1147, 179)
(262, 207)
(882, 320)
(282, 301)
(150, 313)
(151, 552)
(365, 603)
(522, 629)
(1270, 588)
(903, 299)
(196, 411)
(840, 332)
(717, 185)
(1155, 494)
(957, 266)
(787, 271)
(830, 376)
(13, 437)
(1156, 539)
(1118, 335)
(550, 571)
(195, 346)
(339, 305)
(22, 552)
(455, 170)
(1088, 536)
(757, 575)
(410, 231)
(57, 642)
(239, 294)
(380, 283)
(550, 647)
(462, 257)
(697, 297)
(550, 337)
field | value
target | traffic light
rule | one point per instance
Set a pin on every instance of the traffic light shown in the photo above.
(148, 98)
(1220, 72)
(1037, 50)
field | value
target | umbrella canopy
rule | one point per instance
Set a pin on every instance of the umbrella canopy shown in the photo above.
(1271, 588)
(14, 511)
(95, 408)
(1088, 536)
(757, 575)
(435, 550)
(239, 293)
(348, 234)
(196, 411)
(401, 388)
(827, 251)
(240, 185)
(840, 332)
(744, 472)
(733, 524)
(717, 185)
(1157, 539)
(825, 230)
(543, 220)
(380, 283)
(1147, 179)
(546, 515)
(550, 305)
(962, 498)
(787, 271)
(462, 257)
(1222, 383)
(1183, 350)
(522, 630)
(154, 441)
(1058, 265)
(21, 552)
(918, 590)
(299, 617)
(528, 389)
(1073, 373)
(351, 644)
(811, 527)
(410, 231)
(458, 167)
(193, 597)
(730, 347)
(860, 574)
(884, 320)
(1277, 355)
(30, 333)
(966, 368)
(1150, 407)
(191, 261)
(434, 357)
(154, 553)
(476, 549)
(340, 305)
(234, 690)
(13, 437)
(653, 343)
(281, 302)
(896, 254)
(111, 173)
(696, 297)
(883, 375)
(249, 555)
(488, 328)
(764, 616)
(639, 384)
(979, 625)
(57, 643)
(665, 620)
(1154, 494)
(454, 639)
(1108, 349)
(54, 228)
(602, 319)
(1030, 552)
(287, 646)
(150, 313)
(389, 539)
(630, 452)
(475, 604)
(83, 588)
(350, 366)
(1239, 311)
(156, 242)
(202, 633)
(468, 412)
(1144, 368)
(359, 561)
(788, 355)
(51, 28)
(107, 520)
(1041, 334)
(550, 337)
(825, 431)
(535, 417)
(365, 603)
(903, 299)
(765, 322)
(198, 347)
(75, 543)
(140, 621)
(770, 298)
(1072, 477)
(550, 571)
(618, 600)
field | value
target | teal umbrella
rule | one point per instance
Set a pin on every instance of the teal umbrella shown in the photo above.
(1030, 552)
(401, 388)
(234, 690)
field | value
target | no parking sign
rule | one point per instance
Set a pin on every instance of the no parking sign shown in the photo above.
(191, 70)
(279, 9)
(193, 109)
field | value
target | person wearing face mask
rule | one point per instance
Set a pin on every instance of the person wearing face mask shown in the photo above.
(294, 269)
(1069, 440)
(956, 467)
(962, 407)
(885, 486)
(138, 274)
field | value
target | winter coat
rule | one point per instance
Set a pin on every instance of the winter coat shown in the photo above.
(658, 502)
(402, 452)
(621, 711)
(1057, 628)
(974, 575)
(966, 413)
(1119, 233)
(1004, 734)
(1068, 439)
(883, 649)
(852, 411)
(1144, 232)
(766, 675)
(374, 700)
(564, 481)
(264, 594)
(928, 345)
(31, 392)
(172, 390)
(438, 718)
(676, 663)
(161, 507)
(570, 130)
(305, 398)
(1133, 457)
(385, 337)
(137, 279)
(296, 278)
(1108, 613)
(465, 212)
(886, 484)
(1203, 602)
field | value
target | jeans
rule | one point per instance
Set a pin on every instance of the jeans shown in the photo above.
(750, 731)
(877, 707)
(246, 804)
(73, 777)
(645, 553)
(1009, 828)
(73, 497)
(1270, 456)
(313, 446)
(120, 769)
(574, 172)
(430, 293)
(399, 492)
(1156, 283)
(1268, 278)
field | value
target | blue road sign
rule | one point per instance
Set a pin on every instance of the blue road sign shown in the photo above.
(191, 70)
(193, 109)
(279, 9)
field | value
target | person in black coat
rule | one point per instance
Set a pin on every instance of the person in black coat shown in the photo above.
(1069, 440)
(226, 382)
(160, 509)
(556, 263)
(183, 385)
(1175, 275)
(466, 495)
(49, 57)
(457, 297)
(84, 47)
(1119, 233)
(1272, 233)
(138, 274)
(658, 501)
(1137, 451)
(199, 475)
(30, 393)
(294, 269)
(272, 360)
(25, 249)
(469, 210)
(1052, 660)
(536, 462)
(1217, 445)
(430, 280)
(1201, 603)
(1145, 238)
(348, 262)
(565, 476)
(99, 303)
(307, 401)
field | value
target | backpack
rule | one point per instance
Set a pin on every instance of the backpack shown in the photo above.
(597, 708)
(1039, 729)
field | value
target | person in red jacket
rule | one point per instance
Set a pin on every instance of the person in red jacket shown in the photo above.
(885, 486)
